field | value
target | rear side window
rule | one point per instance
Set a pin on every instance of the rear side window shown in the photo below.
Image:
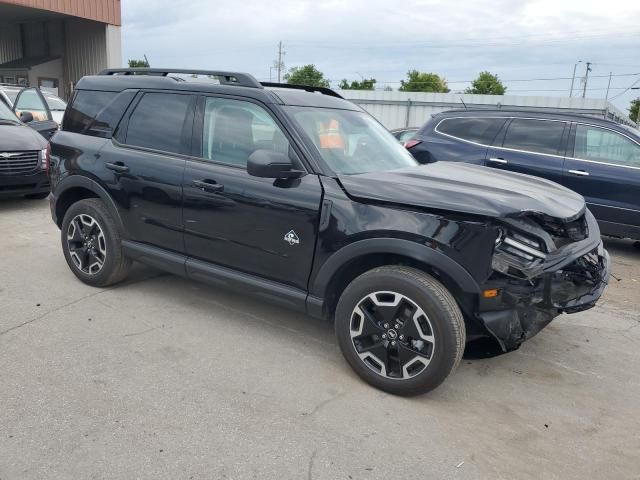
(478, 130)
(84, 107)
(539, 136)
(158, 122)
(600, 145)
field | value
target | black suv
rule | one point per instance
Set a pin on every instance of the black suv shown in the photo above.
(298, 196)
(597, 158)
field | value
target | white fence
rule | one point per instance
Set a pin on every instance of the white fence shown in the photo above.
(412, 109)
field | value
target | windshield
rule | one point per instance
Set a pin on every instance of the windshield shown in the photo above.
(351, 142)
(55, 103)
(6, 113)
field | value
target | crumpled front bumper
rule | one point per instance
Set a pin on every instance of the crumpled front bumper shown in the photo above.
(572, 280)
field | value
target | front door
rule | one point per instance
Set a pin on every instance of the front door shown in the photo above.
(531, 146)
(144, 166)
(30, 100)
(265, 227)
(604, 167)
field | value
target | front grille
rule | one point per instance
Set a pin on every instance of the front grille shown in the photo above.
(15, 163)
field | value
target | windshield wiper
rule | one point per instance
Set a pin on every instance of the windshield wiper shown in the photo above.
(9, 121)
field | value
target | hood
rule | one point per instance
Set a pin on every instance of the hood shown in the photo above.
(20, 137)
(467, 188)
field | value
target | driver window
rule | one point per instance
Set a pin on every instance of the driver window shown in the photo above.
(234, 129)
(600, 145)
(30, 101)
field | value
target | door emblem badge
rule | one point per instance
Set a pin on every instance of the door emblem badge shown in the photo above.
(291, 238)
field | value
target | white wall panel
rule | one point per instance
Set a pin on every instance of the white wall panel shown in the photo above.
(390, 108)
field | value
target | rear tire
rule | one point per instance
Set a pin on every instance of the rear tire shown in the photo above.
(400, 330)
(92, 244)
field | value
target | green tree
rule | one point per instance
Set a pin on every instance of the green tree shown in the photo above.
(138, 63)
(487, 84)
(633, 110)
(365, 84)
(423, 82)
(306, 75)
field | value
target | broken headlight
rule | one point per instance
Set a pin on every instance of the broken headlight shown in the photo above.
(515, 251)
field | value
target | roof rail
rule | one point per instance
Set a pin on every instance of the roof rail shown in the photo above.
(225, 78)
(323, 90)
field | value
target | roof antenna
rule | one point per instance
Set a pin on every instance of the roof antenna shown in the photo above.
(465, 106)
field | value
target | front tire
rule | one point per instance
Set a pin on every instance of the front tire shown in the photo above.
(91, 243)
(400, 330)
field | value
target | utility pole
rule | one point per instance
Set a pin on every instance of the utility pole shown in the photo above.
(606, 97)
(586, 79)
(573, 78)
(280, 63)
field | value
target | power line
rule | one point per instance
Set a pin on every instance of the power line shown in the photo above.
(625, 90)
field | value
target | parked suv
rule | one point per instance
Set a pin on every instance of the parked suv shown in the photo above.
(597, 158)
(298, 196)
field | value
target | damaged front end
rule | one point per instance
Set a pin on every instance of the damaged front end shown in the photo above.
(541, 267)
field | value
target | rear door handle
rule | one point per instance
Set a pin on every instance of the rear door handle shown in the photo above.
(117, 167)
(501, 161)
(209, 185)
(581, 173)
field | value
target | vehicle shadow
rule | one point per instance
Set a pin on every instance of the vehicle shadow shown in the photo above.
(622, 247)
(19, 203)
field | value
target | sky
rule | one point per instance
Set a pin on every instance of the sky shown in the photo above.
(519, 40)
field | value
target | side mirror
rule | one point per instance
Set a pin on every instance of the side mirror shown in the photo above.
(269, 164)
(26, 117)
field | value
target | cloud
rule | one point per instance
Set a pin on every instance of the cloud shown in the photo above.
(514, 38)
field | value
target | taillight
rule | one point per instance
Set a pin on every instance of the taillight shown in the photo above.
(45, 158)
(411, 143)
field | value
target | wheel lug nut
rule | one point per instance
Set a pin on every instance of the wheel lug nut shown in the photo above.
(384, 335)
(397, 326)
(393, 343)
(401, 337)
(386, 325)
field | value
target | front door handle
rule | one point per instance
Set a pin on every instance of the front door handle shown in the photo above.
(209, 185)
(581, 173)
(117, 167)
(499, 160)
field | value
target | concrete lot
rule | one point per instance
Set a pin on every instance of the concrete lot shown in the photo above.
(166, 378)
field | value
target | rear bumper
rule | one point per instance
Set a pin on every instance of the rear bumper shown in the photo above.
(17, 185)
(521, 311)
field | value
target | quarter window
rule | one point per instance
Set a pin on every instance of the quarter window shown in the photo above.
(158, 122)
(478, 130)
(84, 108)
(539, 136)
(234, 129)
(600, 145)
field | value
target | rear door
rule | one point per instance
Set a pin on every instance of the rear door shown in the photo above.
(604, 166)
(31, 100)
(532, 146)
(144, 164)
